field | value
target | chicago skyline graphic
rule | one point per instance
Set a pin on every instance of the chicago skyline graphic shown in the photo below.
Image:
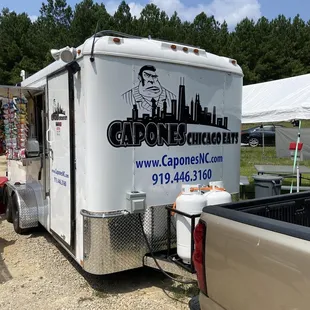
(180, 112)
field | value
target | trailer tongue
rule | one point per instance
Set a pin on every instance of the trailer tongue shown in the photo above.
(100, 142)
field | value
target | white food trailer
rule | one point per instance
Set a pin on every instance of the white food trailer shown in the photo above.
(113, 128)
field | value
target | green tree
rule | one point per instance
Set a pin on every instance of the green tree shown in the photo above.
(13, 50)
(87, 15)
(122, 19)
(265, 49)
(150, 21)
(244, 49)
(55, 21)
(205, 32)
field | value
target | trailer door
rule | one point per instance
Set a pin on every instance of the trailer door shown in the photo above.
(61, 147)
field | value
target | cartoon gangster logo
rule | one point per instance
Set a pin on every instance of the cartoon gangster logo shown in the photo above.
(167, 118)
(148, 91)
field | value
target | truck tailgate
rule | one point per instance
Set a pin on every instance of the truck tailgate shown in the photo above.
(256, 263)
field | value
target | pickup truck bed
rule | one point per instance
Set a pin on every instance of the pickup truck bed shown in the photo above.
(257, 254)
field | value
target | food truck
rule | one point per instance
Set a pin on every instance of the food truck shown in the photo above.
(100, 141)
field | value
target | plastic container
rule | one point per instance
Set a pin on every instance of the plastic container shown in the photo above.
(267, 185)
(190, 203)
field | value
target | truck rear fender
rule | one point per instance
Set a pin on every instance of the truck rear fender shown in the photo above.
(199, 254)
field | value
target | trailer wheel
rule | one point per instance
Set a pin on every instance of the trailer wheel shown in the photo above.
(15, 216)
(7, 201)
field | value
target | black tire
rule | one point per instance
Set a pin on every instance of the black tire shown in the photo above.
(15, 216)
(194, 303)
(253, 142)
(8, 205)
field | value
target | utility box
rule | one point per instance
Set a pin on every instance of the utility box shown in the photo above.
(267, 185)
(136, 202)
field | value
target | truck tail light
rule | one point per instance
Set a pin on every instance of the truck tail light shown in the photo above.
(199, 255)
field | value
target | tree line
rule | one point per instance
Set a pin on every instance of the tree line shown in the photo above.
(265, 49)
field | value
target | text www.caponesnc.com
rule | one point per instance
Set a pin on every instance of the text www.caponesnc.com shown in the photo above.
(166, 161)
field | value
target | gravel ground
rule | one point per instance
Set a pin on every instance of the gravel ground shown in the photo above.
(35, 273)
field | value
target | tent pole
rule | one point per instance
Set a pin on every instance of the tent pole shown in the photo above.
(295, 160)
(297, 175)
(262, 127)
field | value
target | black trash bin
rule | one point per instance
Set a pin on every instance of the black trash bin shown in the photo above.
(267, 185)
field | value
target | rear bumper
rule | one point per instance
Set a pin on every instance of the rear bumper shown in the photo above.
(207, 304)
(113, 242)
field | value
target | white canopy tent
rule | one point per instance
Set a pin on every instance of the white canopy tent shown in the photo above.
(277, 101)
(281, 100)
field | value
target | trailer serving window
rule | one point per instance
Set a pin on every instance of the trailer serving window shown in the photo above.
(20, 124)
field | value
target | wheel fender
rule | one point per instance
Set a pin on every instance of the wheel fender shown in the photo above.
(7, 201)
(27, 205)
(5, 189)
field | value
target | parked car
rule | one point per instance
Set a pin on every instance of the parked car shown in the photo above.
(254, 136)
(254, 254)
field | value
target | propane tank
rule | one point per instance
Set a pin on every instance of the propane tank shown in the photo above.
(190, 203)
(216, 197)
(216, 183)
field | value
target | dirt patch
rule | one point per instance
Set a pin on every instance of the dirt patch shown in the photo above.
(37, 274)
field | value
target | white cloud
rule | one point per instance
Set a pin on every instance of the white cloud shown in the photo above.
(135, 7)
(33, 18)
(111, 6)
(232, 11)
(235, 10)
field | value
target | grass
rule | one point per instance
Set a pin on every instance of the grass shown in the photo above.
(255, 156)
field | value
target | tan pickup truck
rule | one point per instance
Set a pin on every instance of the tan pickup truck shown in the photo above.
(254, 255)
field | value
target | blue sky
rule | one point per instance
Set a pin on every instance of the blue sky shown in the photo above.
(230, 10)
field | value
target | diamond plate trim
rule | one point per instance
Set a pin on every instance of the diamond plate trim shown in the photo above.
(117, 244)
(27, 206)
